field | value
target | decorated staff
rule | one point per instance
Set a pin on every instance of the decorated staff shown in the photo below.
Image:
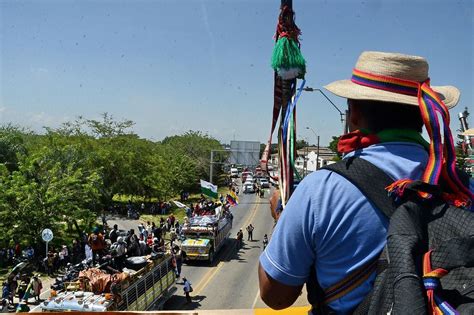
(289, 65)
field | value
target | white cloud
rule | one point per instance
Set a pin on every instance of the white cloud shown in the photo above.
(43, 119)
(3, 110)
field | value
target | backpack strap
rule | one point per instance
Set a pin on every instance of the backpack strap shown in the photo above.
(371, 181)
(350, 282)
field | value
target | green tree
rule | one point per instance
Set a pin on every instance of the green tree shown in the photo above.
(301, 144)
(108, 127)
(333, 146)
(197, 146)
(12, 143)
(51, 188)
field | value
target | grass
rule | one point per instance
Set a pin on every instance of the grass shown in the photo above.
(3, 273)
(178, 213)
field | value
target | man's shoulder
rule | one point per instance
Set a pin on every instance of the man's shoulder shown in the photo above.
(397, 159)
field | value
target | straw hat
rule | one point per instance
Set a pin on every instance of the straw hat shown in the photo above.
(406, 67)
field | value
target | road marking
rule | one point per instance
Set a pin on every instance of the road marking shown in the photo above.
(213, 271)
(247, 223)
(256, 298)
(209, 278)
(206, 276)
(254, 212)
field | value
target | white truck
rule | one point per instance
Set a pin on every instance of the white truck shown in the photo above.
(234, 172)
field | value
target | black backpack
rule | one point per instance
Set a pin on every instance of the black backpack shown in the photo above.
(423, 236)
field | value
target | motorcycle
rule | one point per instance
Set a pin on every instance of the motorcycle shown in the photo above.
(71, 273)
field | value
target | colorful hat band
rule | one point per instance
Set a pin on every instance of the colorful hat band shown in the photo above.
(386, 83)
(442, 156)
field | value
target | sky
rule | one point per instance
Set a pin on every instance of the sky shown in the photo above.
(173, 66)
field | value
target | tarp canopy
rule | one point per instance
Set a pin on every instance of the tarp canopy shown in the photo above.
(98, 281)
(203, 220)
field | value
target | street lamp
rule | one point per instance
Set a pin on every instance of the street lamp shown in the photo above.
(317, 150)
(305, 159)
(310, 89)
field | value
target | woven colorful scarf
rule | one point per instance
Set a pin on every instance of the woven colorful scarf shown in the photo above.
(442, 155)
(432, 282)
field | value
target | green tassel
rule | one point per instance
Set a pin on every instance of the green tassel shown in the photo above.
(287, 55)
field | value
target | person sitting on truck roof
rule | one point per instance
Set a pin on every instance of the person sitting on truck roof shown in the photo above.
(143, 248)
(118, 251)
(133, 245)
(113, 235)
(158, 246)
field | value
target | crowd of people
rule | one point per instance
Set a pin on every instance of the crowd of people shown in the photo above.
(208, 207)
(116, 245)
(103, 247)
(9, 255)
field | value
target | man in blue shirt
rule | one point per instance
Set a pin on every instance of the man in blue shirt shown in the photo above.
(328, 227)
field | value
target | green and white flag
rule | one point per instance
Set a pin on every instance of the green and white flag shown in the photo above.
(209, 189)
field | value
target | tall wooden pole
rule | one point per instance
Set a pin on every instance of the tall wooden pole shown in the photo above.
(286, 85)
(288, 88)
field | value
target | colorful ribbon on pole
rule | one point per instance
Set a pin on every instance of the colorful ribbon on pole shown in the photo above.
(289, 64)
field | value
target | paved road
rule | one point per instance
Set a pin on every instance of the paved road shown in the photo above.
(231, 282)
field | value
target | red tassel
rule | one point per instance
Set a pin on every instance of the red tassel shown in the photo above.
(397, 188)
(458, 200)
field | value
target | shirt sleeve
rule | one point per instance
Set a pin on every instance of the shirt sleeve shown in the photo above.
(290, 254)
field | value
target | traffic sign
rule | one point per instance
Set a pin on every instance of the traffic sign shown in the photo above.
(47, 235)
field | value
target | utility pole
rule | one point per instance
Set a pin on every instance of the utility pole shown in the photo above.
(210, 166)
(317, 148)
(317, 154)
(464, 127)
(306, 161)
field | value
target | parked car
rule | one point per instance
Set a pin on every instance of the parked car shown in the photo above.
(248, 188)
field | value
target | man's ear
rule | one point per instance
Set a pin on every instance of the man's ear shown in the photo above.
(356, 120)
(353, 117)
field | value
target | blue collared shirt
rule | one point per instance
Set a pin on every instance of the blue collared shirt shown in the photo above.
(328, 223)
